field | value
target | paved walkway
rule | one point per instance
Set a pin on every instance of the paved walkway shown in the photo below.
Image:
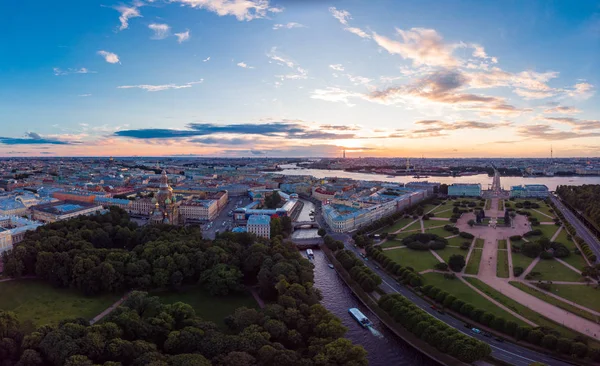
(511, 272)
(541, 213)
(402, 228)
(257, 297)
(468, 255)
(568, 265)
(437, 256)
(501, 306)
(594, 312)
(110, 309)
(396, 247)
(556, 233)
(530, 267)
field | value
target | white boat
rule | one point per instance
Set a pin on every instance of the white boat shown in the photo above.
(360, 317)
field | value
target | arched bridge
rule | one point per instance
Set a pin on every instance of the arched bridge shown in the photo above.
(305, 225)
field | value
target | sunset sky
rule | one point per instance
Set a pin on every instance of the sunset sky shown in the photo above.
(300, 78)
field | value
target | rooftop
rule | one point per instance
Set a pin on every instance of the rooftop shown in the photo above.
(259, 220)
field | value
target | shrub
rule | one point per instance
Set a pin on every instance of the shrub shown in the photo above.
(457, 305)
(546, 255)
(456, 262)
(449, 300)
(441, 266)
(564, 345)
(535, 337)
(510, 327)
(466, 309)
(579, 349)
(549, 342)
(486, 318)
(518, 271)
(465, 245)
(531, 249)
(522, 332)
(516, 238)
(441, 296)
(450, 276)
(466, 235)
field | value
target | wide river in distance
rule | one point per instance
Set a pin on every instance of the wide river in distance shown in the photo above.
(483, 179)
(338, 298)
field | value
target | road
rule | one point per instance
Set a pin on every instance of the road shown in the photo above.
(581, 229)
(505, 351)
(217, 223)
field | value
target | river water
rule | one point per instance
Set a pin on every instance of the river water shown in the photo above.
(305, 216)
(483, 179)
(338, 298)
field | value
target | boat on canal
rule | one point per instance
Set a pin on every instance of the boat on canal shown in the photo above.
(360, 317)
(330, 266)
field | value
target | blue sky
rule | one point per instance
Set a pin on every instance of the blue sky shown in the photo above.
(300, 78)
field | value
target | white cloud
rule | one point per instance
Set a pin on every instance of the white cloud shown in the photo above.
(183, 36)
(332, 94)
(155, 88)
(581, 90)
(161, 31)
(206, 59)
(341, 15)
(359, 32)
(126, 14)
(337, 67)
(299, 73)
(244, 65)
(288, 26)
(110, 57)
(422, 46)
(60, 72)
(84, 95)
(241, 9)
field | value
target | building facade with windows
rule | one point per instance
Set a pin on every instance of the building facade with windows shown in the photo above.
(464, 190)
(260, 225)
(529, 191)
(13, 229)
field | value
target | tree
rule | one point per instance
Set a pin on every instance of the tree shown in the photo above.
(471, 222)
(456, 262)
(321, 232)
(221, 279)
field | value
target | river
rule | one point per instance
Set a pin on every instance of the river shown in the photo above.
(338, 298)
(483, 179)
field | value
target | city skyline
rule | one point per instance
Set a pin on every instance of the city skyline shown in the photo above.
(284, 78)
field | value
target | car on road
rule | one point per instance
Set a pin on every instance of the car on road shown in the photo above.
(476, 330)
(467, 325)
(376, 267)
(487, 334)
(499, 339)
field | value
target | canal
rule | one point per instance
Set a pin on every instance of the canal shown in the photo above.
(305, 216)
(338, 298)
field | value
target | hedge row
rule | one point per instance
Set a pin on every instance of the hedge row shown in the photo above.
(406, 275)
(433, 331)
(363, 275)
(546, 338)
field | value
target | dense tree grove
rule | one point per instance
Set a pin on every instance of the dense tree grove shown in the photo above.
(585, 198)
(109, 253)
(435, 332)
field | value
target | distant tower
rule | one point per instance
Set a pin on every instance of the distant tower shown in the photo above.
(551, 155)
(407, 164)
(344, 153)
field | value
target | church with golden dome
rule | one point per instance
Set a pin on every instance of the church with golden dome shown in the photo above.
(166, 207)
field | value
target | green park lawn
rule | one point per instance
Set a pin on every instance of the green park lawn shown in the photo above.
(444, 214)
(462, 291)
(403, 234)
(391, 243)
(521, 309)
(420, 260)
(551, 270)
(433, 223)
(563, 239)
(502, 265)
(457, 240)
(576, 260)
(520, 260)
(38, 303)
(209, 307)
(428, 207)
(439, 231)
(584, 295)
(397, 225)
(479, 243)
(446, 206)
(415, 226)
(539, 216)
(556, 302)
(547, 230)
(447, 252)
(501, 244)
(473, 263)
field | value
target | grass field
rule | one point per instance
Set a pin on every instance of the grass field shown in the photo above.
(521, 309)
(404, 234)
(501, 244)
(479, 243)
(445, 214)
(459, 289)
(551, 300)
(439, 232)
(562, 238)
(447, 252)
(473, 263)
(428, 207)
(502, 265)
(576, 260)
(433, 223)
(552, 270)
(209, 307)
(457, 241)
(547, 230)
(397, 226)
(414, 226)
(446, 206)
(583, 295)
(37, 303)
(417, 259)
(539, 216)
(520, 260)
(391, 243)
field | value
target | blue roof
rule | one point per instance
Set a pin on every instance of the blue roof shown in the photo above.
(259, 220)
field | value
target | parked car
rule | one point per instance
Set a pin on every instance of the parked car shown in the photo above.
(476, 330)
(499, 339)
